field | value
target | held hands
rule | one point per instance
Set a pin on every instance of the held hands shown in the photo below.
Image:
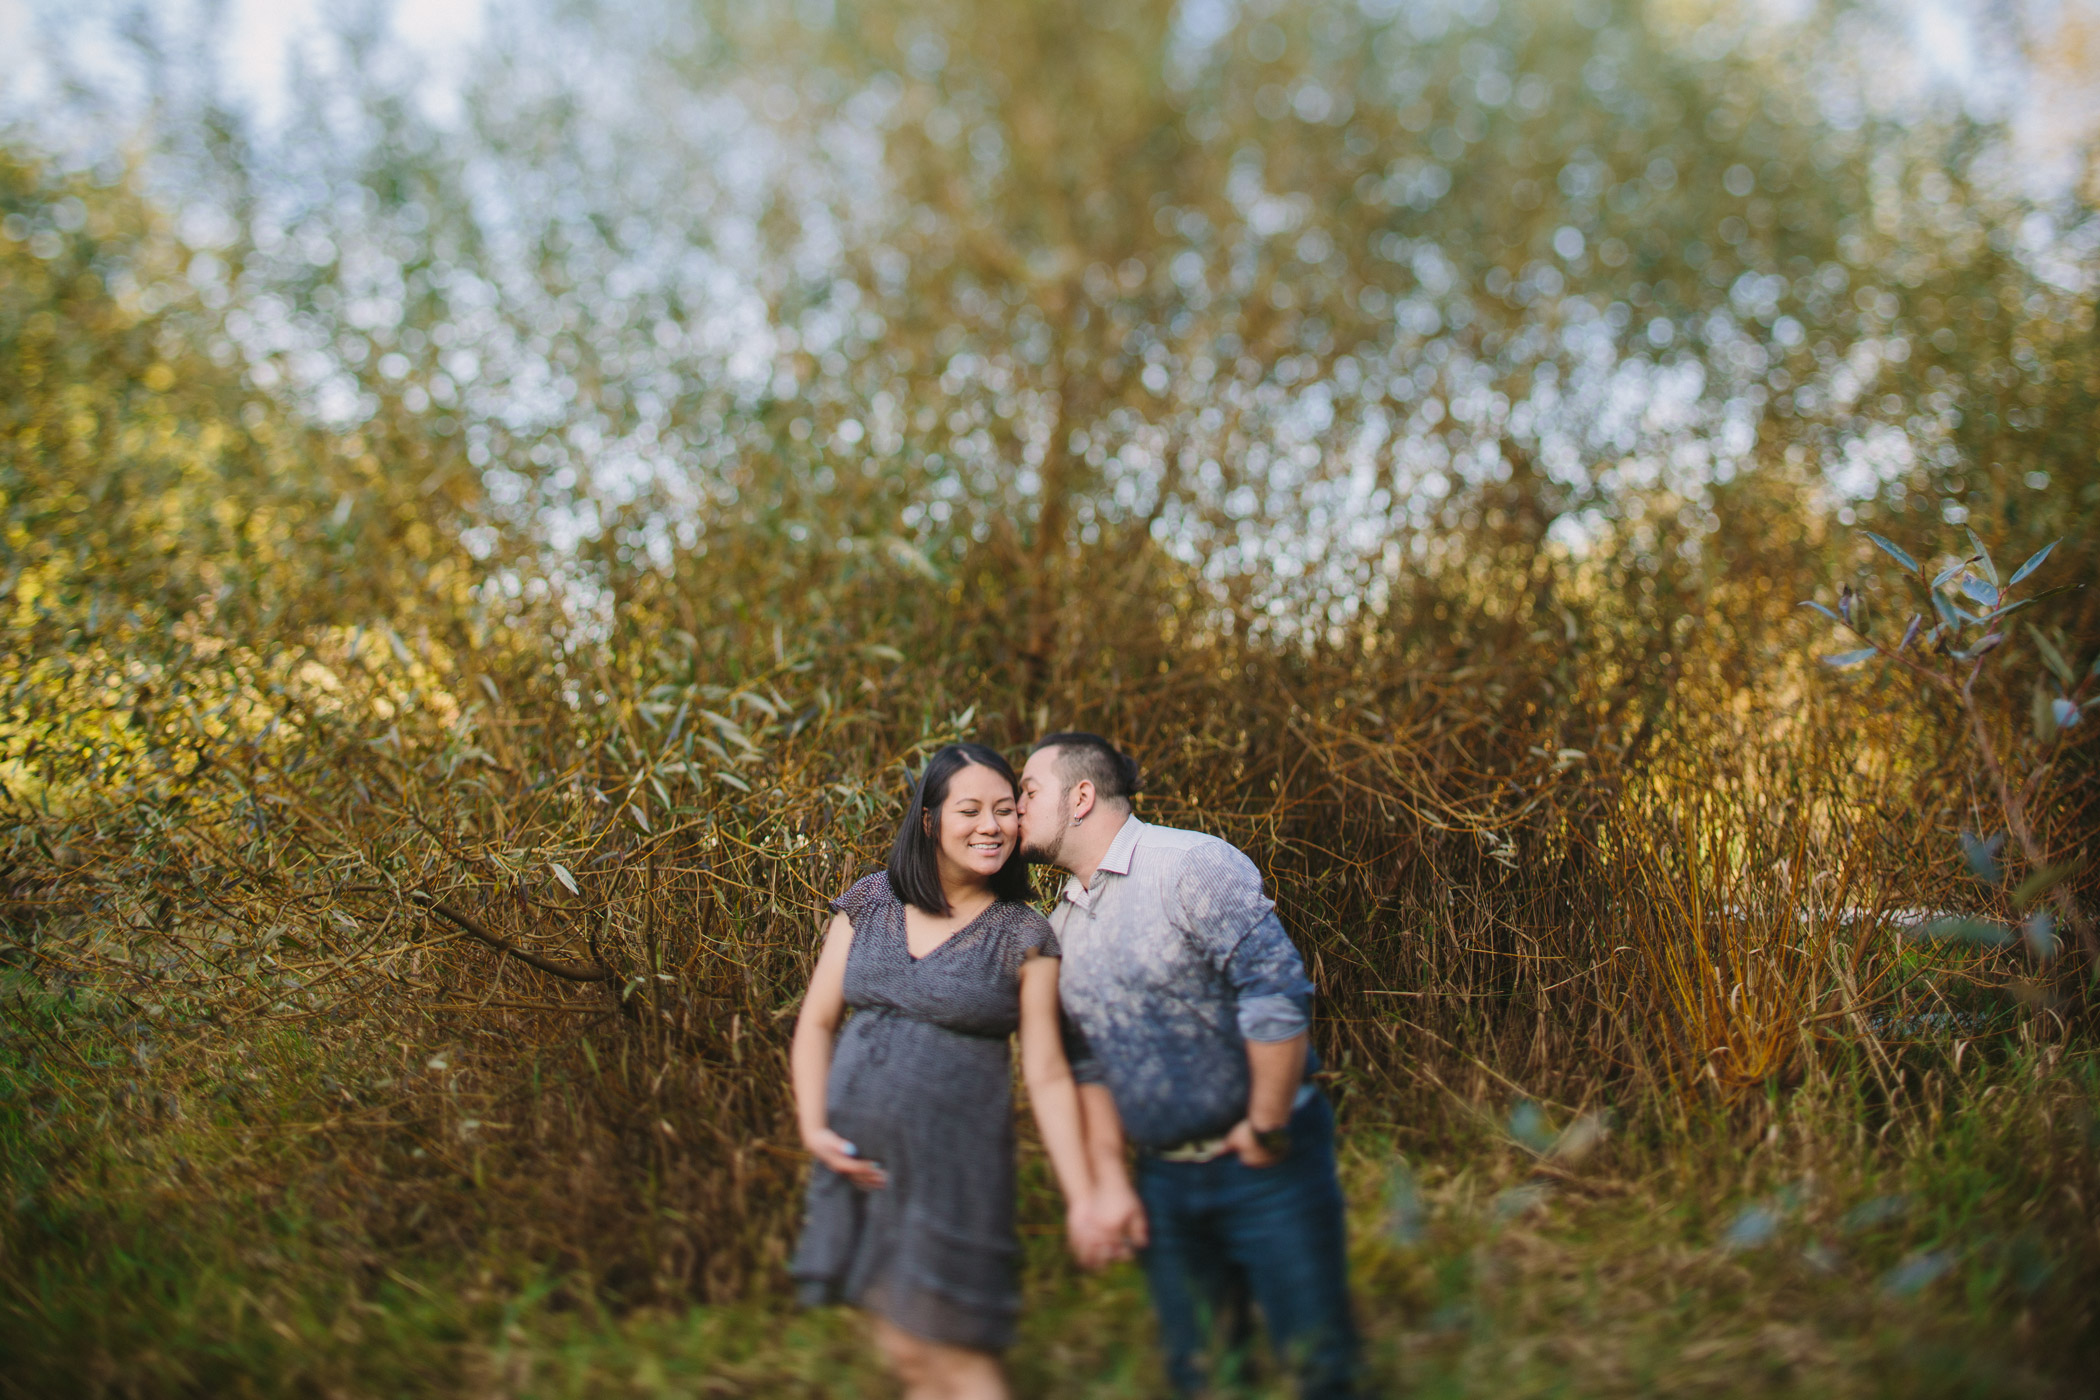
(1106, 1228)
(837, 1153)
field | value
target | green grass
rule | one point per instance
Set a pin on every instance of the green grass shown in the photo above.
(205, 1249)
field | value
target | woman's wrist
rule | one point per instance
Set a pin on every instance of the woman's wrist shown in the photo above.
(1078, 1187)
(1114, 1185)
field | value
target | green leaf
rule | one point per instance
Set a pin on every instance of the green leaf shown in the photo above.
(1980, 592)
(732, 731)
(2008, 610)
(1964, 930)
(1950, 616)
(2028, 602)
(1528, 1125)
(2043, 714)
(904, 553)
(2044, 880)
(2040, 929)
(1752, 1228)
(2033, 563)
(1983, 556)
(1846, 659)
(757, 702)
(1894, 552)
(1875, 1210)
(2051, 657)
(734, 781)
(1939, 580)
(2066, 713)
(1982, 856)
(1811, 603)
(1916, 1271)
(1983, 644)
(561, 873)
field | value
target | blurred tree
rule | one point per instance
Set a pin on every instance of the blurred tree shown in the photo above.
(965, 321)
(172, 537)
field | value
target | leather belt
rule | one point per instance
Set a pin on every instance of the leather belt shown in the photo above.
(1194, 1150)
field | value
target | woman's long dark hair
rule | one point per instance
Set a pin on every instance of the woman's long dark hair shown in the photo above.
(915, 867)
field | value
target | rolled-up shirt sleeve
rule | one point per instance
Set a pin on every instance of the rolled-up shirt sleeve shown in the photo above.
(1274, 1018)
(1275, 997)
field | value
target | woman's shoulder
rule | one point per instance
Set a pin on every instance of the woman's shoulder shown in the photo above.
(867, 893)
(1024, 920)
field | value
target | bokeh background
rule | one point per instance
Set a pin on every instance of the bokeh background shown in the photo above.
(500, 496)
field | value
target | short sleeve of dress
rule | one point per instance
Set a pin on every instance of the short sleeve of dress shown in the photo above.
(1037, 936)
(870, 891)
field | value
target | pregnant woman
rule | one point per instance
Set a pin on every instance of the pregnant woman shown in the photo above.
(908, 1111)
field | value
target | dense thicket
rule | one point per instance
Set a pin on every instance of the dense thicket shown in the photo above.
(1411, 432)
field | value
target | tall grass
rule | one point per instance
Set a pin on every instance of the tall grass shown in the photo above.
(399, 939)
(411, 955)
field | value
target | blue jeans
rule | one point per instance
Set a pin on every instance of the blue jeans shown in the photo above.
(1224, 1233)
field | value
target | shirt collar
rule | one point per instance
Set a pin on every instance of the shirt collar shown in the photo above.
(1116, 861)
(1124, 847)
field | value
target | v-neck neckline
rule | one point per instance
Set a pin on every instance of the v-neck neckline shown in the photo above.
(904, 931)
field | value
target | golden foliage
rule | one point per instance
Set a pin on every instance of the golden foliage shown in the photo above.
(1314, 419)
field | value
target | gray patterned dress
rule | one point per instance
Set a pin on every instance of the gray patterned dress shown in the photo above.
(921, 1083)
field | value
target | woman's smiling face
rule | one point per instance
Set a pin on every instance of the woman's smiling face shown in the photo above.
(977, 824)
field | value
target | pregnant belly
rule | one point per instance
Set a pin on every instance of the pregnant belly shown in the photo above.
(890, 1074)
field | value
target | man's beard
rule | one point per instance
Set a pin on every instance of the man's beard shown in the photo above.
(1038, 854)
(1043, 853)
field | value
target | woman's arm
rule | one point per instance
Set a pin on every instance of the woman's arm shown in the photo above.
(810, 1059)
(1052, 1092)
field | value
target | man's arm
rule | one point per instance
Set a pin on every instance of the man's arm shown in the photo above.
(1112, 1227)
(1276, 1068)
(1274, 1013)
(1116, 1228)
(1217, 903)
(1103, 1127)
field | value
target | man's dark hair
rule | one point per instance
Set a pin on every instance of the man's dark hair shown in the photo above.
(915, 864)
(1081, 755)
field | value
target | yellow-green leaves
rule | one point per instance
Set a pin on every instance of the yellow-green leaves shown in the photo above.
(2042, 881)
(2051, 657)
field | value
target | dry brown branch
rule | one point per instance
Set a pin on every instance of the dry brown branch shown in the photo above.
(474, 928)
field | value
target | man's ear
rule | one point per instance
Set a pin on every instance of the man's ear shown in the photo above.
(1082, 798)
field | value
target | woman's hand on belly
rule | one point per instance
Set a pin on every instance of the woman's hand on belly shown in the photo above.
(839, 1155)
